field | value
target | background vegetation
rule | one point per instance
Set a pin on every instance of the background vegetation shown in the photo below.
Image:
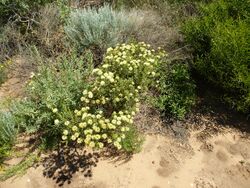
(220, 39)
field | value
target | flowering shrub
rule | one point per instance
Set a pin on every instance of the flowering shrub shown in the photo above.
(51, 92)
(111, 101)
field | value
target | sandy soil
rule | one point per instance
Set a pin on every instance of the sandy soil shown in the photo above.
(221, 161)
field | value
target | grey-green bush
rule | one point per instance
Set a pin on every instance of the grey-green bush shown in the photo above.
(98, 28)
(8, 131)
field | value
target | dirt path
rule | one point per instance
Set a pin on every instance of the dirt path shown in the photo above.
(14, 86)
(222, 161)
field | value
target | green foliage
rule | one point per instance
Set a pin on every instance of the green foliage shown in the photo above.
(110, 103)
(133, 141)
(176, 90)
(8, 132)
(4, 153)
(64, 9)
(98, 28)
(54, 88)
(7, 128)
(11, 8)
(220, 38)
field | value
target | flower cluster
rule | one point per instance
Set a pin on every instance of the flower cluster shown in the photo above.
(110, 104)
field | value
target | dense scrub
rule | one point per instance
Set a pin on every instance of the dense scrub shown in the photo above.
(220, 38)
(19, 10)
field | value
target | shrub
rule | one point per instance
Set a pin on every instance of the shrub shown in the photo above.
(49, 32)
(110, 103)
(220, 38)
(102, 28)
(12, 9)
(176, 90)
(7, 128)
(10, 42)
(8, 131)
(54, 88)
(152, 29)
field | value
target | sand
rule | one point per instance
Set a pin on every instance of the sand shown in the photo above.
(221, 161)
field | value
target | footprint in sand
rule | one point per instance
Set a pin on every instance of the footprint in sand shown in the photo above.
(222, 156)
(166, 168)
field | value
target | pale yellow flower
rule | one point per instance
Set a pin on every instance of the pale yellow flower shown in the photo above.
(55, 110)
(104, 136)
(90, 122)
(65, 132)
(92, 144)
(74, 128)
(82, 125)
(90, 94)
(85, 92)
(101, 145)
(56, 122)
(79, 140)
(102, 83)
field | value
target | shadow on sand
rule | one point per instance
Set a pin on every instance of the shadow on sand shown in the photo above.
(66, 161)
(62, 164)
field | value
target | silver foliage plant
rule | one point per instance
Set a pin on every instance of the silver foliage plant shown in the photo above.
(8, 130)
(103, 27)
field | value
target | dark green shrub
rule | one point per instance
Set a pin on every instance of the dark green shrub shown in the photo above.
(176, 90)
(220, 38)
